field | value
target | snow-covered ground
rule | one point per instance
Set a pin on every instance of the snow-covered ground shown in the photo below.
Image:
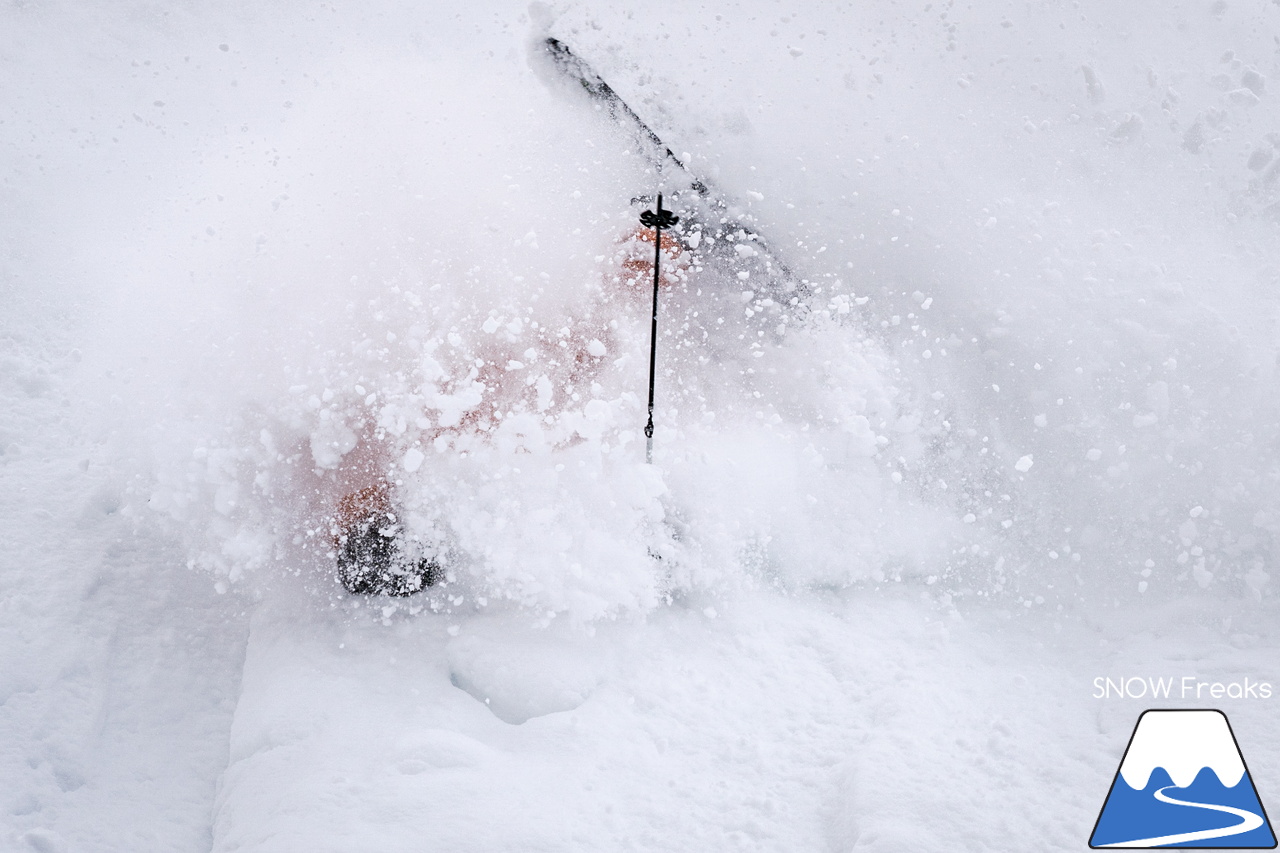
(1025, 437)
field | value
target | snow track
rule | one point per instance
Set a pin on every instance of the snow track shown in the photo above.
(788, 725)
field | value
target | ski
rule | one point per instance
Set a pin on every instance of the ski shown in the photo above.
(721, 234)
(575, 67)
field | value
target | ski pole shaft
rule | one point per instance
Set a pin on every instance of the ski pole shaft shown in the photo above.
(653, 329)
(657, 221)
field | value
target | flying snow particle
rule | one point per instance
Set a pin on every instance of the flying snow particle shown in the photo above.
(1024, 464)
(1203, 576)
(413, 459)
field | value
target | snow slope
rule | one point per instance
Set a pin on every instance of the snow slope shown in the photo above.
(1026, 438)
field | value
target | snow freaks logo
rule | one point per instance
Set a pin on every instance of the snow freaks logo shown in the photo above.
(1183, 783)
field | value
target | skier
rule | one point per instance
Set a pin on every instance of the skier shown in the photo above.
(365, 526)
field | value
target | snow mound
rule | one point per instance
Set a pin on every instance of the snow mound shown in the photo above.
(520, 674)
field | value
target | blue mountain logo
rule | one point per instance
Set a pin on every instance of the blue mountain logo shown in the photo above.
(1183, 783)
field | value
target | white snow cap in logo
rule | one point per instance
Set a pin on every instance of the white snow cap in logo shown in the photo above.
(1183, 743)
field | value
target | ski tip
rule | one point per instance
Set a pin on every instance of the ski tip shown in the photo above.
(563, 56)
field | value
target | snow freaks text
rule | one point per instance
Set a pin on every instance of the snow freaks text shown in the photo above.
(1184, 687)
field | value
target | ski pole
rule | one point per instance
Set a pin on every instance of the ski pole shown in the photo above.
(656, 221)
